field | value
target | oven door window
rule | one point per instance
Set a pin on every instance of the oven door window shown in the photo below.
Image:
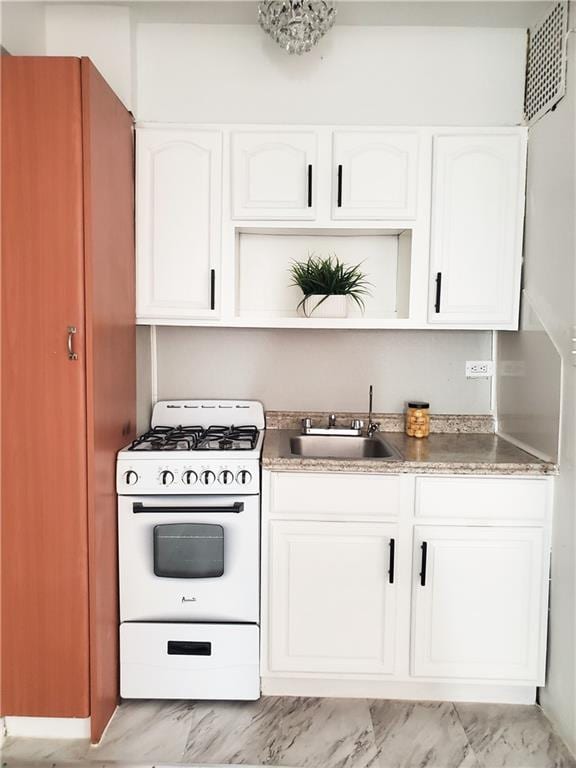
(188, 551)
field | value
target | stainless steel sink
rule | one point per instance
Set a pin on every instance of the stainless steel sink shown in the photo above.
(338, 447)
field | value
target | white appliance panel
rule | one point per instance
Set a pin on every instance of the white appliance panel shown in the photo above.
(232, 597)
(159, 661)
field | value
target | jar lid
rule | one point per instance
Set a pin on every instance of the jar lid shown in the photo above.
(418, 404)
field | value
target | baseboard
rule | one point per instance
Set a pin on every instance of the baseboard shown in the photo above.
(411, 691)
(48, 727)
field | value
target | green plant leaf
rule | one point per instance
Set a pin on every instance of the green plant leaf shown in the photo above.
(329, 277)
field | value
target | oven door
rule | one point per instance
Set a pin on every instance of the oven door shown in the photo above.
(189, 558)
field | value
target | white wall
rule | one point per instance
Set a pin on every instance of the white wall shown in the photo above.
(550, 283)
(528, 385)
(23, 28)
(101, 32)
(304, 369)
(410, 75)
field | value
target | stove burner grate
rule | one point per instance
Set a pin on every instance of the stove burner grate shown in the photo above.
(213, 438)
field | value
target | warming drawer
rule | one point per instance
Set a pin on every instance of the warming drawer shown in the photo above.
(189, 661)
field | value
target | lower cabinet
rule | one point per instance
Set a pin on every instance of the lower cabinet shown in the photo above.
(362, 596)
(332, 597)
(477, 602)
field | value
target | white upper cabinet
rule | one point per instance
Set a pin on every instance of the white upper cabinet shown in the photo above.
(375, 174)
(332, 597)
(479, 603)
(178, 222)
(476, 228)
(274, 174)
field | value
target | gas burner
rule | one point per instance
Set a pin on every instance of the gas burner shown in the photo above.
(195, 438)
(168, 439)
(218, 438)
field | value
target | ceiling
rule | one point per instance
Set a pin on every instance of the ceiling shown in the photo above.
(459, 13)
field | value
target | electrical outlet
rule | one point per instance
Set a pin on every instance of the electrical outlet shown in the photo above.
(479, 369)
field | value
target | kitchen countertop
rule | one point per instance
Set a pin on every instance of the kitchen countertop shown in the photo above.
(465, 454)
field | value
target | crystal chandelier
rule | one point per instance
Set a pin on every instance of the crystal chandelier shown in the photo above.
(296, 25)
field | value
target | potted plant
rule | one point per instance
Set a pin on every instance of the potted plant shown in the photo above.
(326, 284)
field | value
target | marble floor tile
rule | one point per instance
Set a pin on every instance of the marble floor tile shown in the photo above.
(143, 731)
(420, 734)
(17, 751)
(282, 731)
(513, 736)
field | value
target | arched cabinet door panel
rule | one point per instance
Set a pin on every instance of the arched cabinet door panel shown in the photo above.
(178, 222)
(476, 229)
(274, 174)
(375, 174)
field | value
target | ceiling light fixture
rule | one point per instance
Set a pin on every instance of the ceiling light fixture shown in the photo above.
(296, 25)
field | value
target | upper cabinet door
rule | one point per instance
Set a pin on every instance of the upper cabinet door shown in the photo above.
(274, 175)
(476, 237)
(178, 179)
(479, 603)
(375, 174)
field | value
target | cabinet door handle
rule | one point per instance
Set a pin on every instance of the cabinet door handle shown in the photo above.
(424, 548)
(71, 333)
(438, 291)
(339, 186)
(212, 288)
(392, 547)
(310, 186)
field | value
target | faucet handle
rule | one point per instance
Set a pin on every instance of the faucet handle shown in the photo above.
(357, 424)
(332, 420)
(306, 424)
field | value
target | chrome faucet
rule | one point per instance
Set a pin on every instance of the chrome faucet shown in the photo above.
(373, 426)
(332, 420)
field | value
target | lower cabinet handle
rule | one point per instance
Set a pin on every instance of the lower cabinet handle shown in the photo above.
(424, 548)
(438, 291)
(71, 333)
(392, 547)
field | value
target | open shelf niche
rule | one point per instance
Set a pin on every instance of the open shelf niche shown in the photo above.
(264, 257)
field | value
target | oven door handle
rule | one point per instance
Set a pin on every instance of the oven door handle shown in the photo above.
(138, 507)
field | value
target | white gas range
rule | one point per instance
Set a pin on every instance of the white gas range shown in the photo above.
(189, 545)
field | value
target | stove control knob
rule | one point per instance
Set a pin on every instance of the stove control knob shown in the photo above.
(189, 477)
(207, 477)
(166, 477)
(243, 477)
(130, 477)
(225, 477)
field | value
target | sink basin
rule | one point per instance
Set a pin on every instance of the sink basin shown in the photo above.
(338, 447)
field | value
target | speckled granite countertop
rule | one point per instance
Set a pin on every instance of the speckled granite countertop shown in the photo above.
(453, 453)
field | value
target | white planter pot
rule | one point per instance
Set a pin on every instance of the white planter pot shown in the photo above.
(331, 306)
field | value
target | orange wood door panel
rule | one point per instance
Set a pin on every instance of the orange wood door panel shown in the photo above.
(44, 609)
(111, 344)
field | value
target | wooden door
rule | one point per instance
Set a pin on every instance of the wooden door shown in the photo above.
(273, 174)
(479, 613)
(375, 174)
(476, 236)
(332, 597)
(110, 362)
(44, 564)
(179, 189)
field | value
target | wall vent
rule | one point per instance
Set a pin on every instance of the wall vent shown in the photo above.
(546, 63)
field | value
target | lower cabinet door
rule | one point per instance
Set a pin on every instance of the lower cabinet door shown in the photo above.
(332, 597)
(479, 602)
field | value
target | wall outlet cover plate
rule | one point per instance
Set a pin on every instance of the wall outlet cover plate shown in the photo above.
(479, 369)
